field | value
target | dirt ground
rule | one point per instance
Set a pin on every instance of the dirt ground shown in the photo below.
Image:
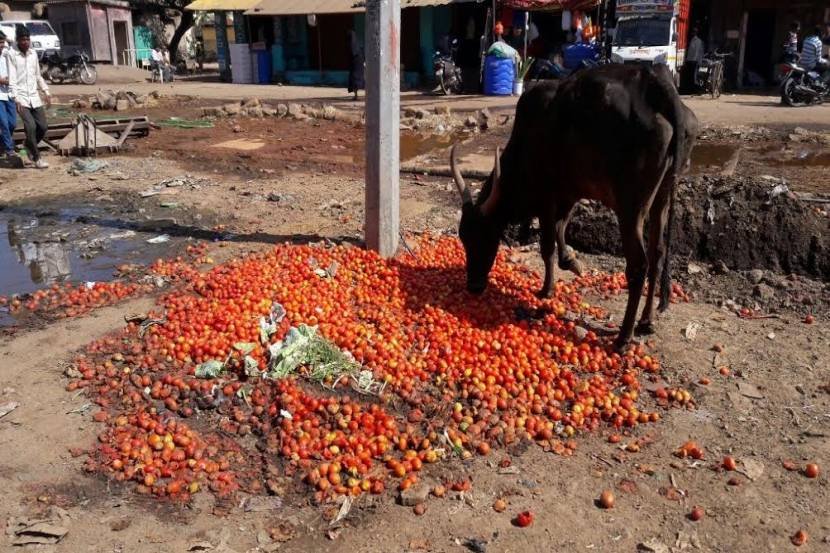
(303, 183)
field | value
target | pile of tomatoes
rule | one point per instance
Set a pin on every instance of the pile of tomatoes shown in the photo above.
(460, 374)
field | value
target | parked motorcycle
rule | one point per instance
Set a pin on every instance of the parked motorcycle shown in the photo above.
(76, 68)
(803, 88)
(447, 71)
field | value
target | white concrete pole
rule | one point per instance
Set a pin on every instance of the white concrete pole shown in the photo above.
(382, 224)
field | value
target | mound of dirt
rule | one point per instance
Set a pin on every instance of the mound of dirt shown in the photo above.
(742, 223)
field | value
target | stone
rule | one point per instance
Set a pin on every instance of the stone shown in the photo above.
(483, 119)
(443, 110)
(214, 111)
(122, 105)
(152, 101)
(471, 122)
(414, 495)
(720, 268)
(251, 103)
(763, 292)
(254, 111)
(80, 103)
(282, 110)
(755, 276)
(329, 112)
(232, 109)
(294, 110)
(268, 112)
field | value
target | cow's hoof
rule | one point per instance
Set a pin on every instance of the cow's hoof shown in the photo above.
(572, 264)
(645, 328)
(621, 345)
(544, 294)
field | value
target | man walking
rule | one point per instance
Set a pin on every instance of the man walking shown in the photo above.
(8, 112)
(26, 85)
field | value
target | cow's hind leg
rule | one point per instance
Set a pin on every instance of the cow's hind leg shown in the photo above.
(547, 247)
(631, 230)
(567, 260)
(657, 220)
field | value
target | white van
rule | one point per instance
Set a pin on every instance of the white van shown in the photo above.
(44, 38)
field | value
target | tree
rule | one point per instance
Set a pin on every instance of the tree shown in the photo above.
(163, 9)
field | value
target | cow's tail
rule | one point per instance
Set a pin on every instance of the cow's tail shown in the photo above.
(665, 277)
(676, 116)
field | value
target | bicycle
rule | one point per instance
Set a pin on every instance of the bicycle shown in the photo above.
(711, 75)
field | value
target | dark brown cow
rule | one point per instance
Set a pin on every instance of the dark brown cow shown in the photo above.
(617, 134)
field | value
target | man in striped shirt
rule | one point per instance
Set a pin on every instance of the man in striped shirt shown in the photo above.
(811, 59)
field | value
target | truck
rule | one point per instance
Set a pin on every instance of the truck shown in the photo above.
(651, 32)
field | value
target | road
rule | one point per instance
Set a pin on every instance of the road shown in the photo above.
(730, 109)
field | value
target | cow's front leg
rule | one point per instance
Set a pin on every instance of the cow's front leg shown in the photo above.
(567, 259)
(547, 246)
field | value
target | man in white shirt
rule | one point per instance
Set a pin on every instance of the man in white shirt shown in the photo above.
(26, 85)
(8, 111)
(694, 56)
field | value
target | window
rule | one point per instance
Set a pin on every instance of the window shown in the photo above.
(39, 28)
(71, 33)
(643, 32)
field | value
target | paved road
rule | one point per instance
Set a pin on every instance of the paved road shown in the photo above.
(728, 110)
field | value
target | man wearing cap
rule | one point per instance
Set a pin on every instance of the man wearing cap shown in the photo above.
(26, 86)
(8, 112)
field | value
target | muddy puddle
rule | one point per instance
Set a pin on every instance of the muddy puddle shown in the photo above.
(42, 246)
(414, 145)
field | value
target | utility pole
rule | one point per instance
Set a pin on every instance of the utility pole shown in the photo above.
(383, 103)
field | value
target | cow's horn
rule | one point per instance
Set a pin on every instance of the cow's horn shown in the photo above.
(466, 195)
(492, 200)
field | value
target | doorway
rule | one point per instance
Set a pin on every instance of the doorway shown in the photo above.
(122, 43)
(760, 36)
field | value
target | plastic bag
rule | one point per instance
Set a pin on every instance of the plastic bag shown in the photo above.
(502, 50)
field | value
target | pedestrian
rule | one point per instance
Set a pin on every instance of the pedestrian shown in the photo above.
(791, 46)
(8, 110)
(694, 57)
(356, 63)
(26, 86)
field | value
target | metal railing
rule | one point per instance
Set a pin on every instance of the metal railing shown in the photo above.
(130, 57)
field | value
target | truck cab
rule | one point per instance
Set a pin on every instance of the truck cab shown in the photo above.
(651, 32)
(43, 36)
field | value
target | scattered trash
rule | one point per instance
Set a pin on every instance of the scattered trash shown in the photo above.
(180, 123)
(345, 507)
(749, 390)
(39, 531)
(161, 239)
(778, 190)
(81, 166)
(7, 408)
(259, 504)
(652, 546)
(474, 544)
(690, 332)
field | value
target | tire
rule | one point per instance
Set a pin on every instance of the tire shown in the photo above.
(444, 87)
(717, 82)
(89, 75)
(788, 93)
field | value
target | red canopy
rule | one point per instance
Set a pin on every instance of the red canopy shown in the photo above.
(551, 5)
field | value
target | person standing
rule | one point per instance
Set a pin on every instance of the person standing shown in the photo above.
(26, 86)
(8, 110)
(694, 57)
(791, 46)
(356, 63)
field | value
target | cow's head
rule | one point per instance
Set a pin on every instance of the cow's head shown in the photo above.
(480, 233)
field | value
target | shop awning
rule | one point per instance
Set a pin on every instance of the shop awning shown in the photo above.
(551, 5)
(302, 7)
(221, 5)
